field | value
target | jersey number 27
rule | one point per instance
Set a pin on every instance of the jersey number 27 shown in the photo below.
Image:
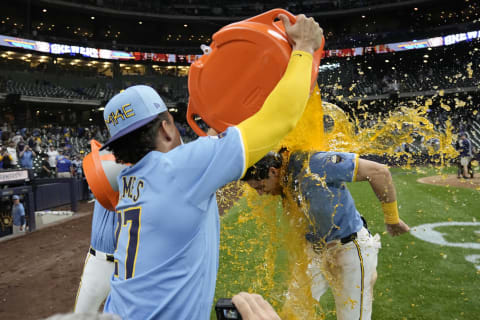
(130, 218)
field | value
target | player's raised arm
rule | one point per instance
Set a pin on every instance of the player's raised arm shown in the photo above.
(286, 103)
(382, 184)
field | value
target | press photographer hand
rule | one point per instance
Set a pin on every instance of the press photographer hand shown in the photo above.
(253, 307)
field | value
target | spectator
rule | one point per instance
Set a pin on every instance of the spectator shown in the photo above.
(17, 138)
(52, 157)
(6, 159)
(77, 167)
(26, 155)
(464, 146)
(18, 215)
(64, 167)
(13, 153)
(45, 170)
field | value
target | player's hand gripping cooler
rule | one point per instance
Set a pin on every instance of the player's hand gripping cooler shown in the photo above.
(101, 172)
(239, 69)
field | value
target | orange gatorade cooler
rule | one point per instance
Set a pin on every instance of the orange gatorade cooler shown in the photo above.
(239, 69)
(101, 172)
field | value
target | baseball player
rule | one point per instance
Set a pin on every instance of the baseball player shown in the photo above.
(97, 272)
(168, 233)
(343, 251)
(464, 146)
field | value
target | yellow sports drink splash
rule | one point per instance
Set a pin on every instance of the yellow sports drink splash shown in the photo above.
(271, 257)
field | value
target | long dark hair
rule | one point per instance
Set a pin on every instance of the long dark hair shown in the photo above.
(132, 147)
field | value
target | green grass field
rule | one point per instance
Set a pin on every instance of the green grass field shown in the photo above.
(416, 279)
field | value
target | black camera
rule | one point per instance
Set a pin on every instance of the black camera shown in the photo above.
(225, 310)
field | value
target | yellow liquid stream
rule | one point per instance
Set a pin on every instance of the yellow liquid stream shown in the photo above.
(278, 259)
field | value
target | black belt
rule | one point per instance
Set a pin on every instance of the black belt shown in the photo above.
(349, 238)
(353, 236)
(318, 245)
(109, 256)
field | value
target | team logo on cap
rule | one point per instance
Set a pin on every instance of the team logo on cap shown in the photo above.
(124, 112)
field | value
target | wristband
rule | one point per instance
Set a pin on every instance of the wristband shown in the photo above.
(390, 212)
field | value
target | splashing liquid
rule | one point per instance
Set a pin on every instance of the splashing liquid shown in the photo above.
(275, 254)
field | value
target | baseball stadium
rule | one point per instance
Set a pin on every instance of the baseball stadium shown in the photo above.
(292, 160)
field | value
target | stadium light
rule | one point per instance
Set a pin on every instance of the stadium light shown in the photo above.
(92, 17)
(140, 22)
(44, 10)
(185, 25)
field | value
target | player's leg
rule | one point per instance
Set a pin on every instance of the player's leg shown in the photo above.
(464, 161)
(352, 274)
(319, 283)
(94, 284)
(16, 229)
(459, 168)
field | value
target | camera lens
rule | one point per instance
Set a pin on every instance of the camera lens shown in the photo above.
(230, 314)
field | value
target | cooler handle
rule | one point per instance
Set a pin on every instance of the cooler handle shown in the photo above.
(269, 17)
(191, 120)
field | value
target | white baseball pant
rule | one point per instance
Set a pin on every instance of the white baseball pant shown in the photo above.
(350, 270)
(95, 283)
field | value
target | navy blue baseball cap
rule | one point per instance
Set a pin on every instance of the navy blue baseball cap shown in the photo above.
(131, 109)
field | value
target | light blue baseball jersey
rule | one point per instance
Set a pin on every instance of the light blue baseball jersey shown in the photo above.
(330, 204)
(103, 229)
(166, 259)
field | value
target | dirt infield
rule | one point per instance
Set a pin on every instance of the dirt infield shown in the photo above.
(452, 181)
(40, 271)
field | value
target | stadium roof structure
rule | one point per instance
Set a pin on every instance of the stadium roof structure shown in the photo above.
(181, 26)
